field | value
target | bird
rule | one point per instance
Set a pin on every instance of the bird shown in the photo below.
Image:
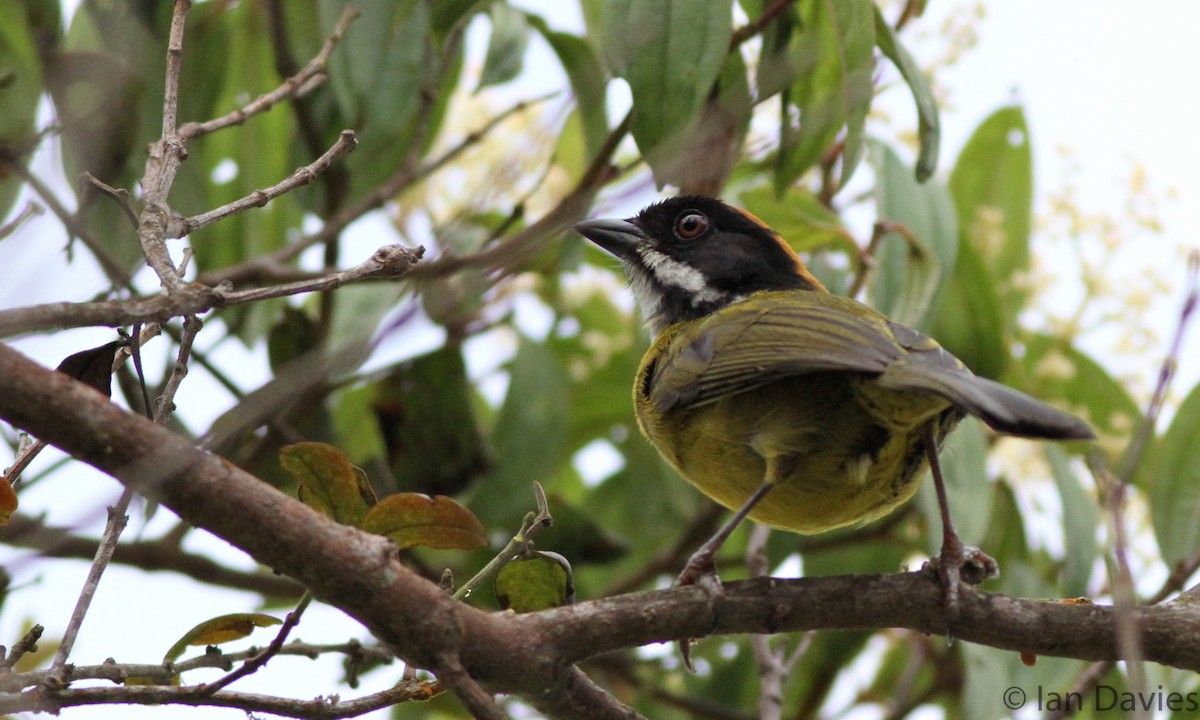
(800, 409)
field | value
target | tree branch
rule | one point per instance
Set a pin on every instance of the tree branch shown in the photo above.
(57, 542)
(179, 226)
(532, 655)
(294, 86)
(163, 163)
(390, 262)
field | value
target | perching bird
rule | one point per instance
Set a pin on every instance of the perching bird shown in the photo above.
(802, 410)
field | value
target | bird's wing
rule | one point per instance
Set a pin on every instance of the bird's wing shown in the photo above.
(772, 336)
(750, 344)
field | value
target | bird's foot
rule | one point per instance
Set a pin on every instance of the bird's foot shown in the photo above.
(701, 570)
(960, 563)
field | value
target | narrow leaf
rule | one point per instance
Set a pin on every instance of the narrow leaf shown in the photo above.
(928, 125)
(1079, 523)
(1175, 484)
(968, 320)
(834, 58)
(670, 52)
(909, 270)
(992, 186)
(506, 47)
(219, 630)
(439, 522)
(587, 77)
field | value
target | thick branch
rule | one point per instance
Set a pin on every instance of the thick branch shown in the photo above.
(531, 655)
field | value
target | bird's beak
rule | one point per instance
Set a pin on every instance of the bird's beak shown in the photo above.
(618, 237)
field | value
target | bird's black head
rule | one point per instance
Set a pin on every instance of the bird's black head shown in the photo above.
(690, 256)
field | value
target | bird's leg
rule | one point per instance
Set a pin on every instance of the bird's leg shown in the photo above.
(956, 561)
(701, 567)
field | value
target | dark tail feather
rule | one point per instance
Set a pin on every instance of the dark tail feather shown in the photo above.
(1004, 409)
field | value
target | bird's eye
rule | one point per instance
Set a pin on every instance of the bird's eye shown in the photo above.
(690, 224)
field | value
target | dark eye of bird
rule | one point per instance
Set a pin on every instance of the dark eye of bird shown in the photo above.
(690, 224)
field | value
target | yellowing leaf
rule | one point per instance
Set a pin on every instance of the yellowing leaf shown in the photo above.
(415, 519)
(8, 500)
(220, 630)
(329, 483)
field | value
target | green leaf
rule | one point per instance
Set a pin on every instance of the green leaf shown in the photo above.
(967, 319)
(293, 335)
(218, 630)
(506, 47)
(1079, 523)
(1175, 484)
(800, 218)
(260, 152)
(20, 87)
(963, 460)
(775, 71)
(928, 125)
(426, 415)
(529, 440)
(328, 482)
(587, 77)
(992, 186)
(670, 52)
(909, 272)
(539, 582)
(412, 519)
(835, 57)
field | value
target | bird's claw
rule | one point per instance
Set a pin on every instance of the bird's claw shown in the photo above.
(701, 570)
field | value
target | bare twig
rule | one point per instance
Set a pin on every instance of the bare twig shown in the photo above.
(47, 699)
(1115, 486)
(165, 673)
(303, 81)
(751, 29)
(1136, 450)
(166, 156)
(480, 703)
(519, 246)
(117, 517)
(152, 555)
(373, 200)
(259, 660)
(112, 532)
(166, 402)
(30, 211)
(389, 262)
(180, 226)
(25, 455)
(118, 195)
(531, 525)
(113, 269)
(27, 642)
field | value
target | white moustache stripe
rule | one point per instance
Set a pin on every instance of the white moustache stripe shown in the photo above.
(672, 273)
